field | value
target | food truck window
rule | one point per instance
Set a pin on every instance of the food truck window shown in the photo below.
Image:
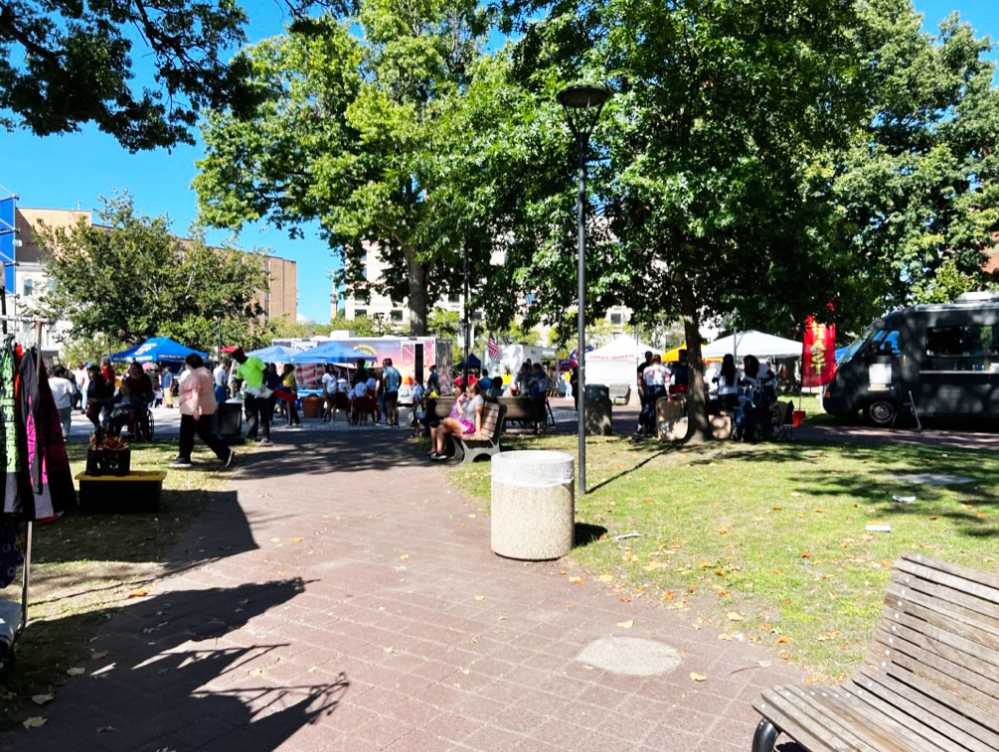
(885, 342)
(972, 341)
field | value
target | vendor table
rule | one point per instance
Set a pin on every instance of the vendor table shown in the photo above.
(139, 491)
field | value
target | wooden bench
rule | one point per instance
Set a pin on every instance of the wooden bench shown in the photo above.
(620, 393)
(529, 412)
(930, 681)
(486, 441)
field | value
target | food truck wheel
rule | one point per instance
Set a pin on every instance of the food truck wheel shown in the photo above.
(881, 412)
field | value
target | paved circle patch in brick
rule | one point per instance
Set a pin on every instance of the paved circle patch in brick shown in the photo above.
(631, 656)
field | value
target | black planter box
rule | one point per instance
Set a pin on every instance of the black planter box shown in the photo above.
(139, 491)
(108, 461)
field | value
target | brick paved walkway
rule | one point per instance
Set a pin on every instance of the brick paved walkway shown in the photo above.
(366, 613)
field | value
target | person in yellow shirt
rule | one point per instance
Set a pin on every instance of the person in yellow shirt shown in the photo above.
(507, 381)
(288, 382)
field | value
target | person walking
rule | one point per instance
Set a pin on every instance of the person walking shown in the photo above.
(290, 385)
(391, 381)
(166, 384)
(251, 373)
(221, 376)
(329, 393)
(197, 406)
(655, 378)
(64, 393)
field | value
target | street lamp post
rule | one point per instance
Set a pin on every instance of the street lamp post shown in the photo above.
(582, 106)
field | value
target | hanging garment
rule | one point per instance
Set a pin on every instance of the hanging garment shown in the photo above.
(10, 551)
(16, 489)
(48, 465)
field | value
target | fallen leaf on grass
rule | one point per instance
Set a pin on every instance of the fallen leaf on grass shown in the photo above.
(626, 624)
(139, 593)
(281, 573)
(255, 672)
(652, 566)
(806, 555)
(705, 565)
(796, 493)
(296, 540)
(42, 699)
(694, 676)
(934, 517)
(96, 655)
(782, 639)
(388, 649)
(725, 593)
(980, 514)
(830, 635)
(76, 671)
(726, 637)
(480, 597)
(778, 509)
(722, 531)
(735, 616)
(570, 605)
(606, 578)
(576, 580)
(403, 557)
(668, 595)
(35, 722)
(811, 680)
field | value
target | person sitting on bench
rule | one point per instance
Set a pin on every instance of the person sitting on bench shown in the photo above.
(467, 421)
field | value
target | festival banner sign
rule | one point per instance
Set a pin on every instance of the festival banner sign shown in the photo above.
(818, 363)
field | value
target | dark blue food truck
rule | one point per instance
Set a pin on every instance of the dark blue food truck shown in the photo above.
(944, 358)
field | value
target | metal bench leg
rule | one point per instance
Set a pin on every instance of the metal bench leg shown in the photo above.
(765, 737)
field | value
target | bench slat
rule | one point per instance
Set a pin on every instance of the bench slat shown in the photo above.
(800, 722)
(972, 608)
(882, 731)
(971, 647)
(967, 731)
(939, 674)
(960, 579)
(905, 729)
(967, 640)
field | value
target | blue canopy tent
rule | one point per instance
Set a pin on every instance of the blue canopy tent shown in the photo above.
(274, 354)
(157, 350)
(328, 352)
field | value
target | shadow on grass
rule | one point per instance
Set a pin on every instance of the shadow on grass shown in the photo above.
(584, 534)
(165, 682)
(104, 542)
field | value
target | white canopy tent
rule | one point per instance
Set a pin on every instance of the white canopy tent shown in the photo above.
(616, 363)
(751, 342)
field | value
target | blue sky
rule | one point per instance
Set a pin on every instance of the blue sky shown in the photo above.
(65, 172)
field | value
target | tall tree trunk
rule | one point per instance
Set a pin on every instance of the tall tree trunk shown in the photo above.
(697, 409)
(416, 278)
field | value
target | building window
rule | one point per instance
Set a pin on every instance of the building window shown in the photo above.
(477, 316)
(616, 319)
(52, 285)
(29, 288)
(453, 298)
(360, 313)
(397, 314)
(531, 297)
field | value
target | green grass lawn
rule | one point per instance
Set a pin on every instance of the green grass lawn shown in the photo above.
(768, 543)
(85, 565)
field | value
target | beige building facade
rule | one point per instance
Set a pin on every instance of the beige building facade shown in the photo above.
(395, 314)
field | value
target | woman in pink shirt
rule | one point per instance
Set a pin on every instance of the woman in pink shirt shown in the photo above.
(197, 405)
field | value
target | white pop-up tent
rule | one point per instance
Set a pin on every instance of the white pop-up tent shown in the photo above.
(616, 363)
(751, 342)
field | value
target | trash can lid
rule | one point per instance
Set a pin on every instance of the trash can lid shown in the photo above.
(533, 468)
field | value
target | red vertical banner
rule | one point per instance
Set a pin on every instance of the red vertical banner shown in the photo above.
(818, 365)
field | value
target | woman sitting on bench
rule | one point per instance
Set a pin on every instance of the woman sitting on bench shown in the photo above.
(465, 419)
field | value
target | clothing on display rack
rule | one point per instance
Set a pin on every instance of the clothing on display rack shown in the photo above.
(52, 489)
(16, 488)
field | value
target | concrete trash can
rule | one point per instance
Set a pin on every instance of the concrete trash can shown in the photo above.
(533, 506)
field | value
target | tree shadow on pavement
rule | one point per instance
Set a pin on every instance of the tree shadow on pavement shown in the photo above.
(163, 681)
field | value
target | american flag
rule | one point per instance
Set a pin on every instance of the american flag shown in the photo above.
(492, 348)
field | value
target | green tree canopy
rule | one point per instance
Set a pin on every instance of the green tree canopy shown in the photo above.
(344, 132)
(66, 64)
(131, 278)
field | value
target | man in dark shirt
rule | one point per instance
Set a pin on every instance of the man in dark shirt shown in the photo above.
(97, 394)
(641, 388)
(360, 374)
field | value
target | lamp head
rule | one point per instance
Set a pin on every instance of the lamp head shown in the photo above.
(582, 106)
